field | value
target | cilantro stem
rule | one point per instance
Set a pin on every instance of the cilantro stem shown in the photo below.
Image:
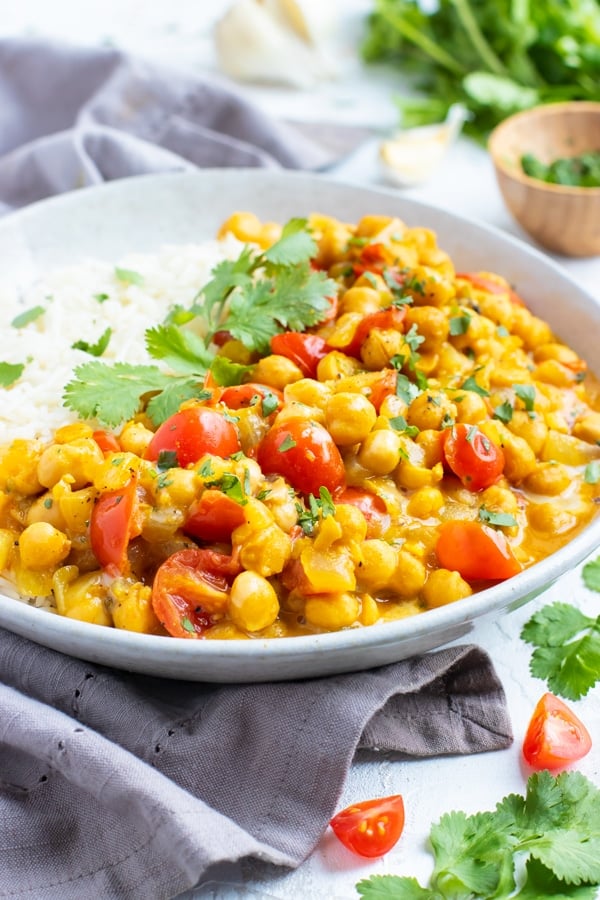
(477, 38)
(417, 37)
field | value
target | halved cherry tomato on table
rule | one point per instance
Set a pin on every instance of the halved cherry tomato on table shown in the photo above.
(107, 441)
(555, 736)
(111, 525)
(371, 506)
(213, 517)
(476, 551)
(305, 350)
(191, 433)
(372, 827)
(492, 287)
(305, 454)
(191, 588)
(470, 454)
(241, 396)
(389, 319)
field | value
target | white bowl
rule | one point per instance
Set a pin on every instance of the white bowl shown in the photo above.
(141, 214)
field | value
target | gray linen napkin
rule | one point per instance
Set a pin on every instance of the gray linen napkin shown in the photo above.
(123, 786)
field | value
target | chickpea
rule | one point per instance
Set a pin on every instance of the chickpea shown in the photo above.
(470, 407)
(369, 610)
(550, 519)
(253, 603)
(556, 351)
(19, 467)
(530, 329)
(45, 509)
(349, 418)
(443, 587)
(276, 371)
(380, 452)
(182, 488)
(42, 546)
(377, 566)
(587, 428)
(550, 478)
(131, 607)
(425, 502)
(410, 575)
(307, 391)
(534, 431)
(82, 597)
(431, 410)
(332, 611)
(266, 552)
(553, 372)
(351, 521)
(432, 324)
(380, 345)
(519, 458)
(363, 300)
(245, 226)
(430, 442)
(335, 366)
(135, 438)
(78, 460)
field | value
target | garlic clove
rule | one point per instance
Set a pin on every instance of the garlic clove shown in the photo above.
(253, 45)
(312, 20)
(411, 157)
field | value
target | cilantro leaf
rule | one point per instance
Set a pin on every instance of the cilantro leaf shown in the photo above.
(226, 276)
(504, 412)
(459, 324)
(399, 423)
(496, 518)
(30, 315)
(128, 276)
(182, 350)
(591, 473)
(175, 391)
(550, 837)
(10, 372)
(295, 245)
(567, 653)
(226, 372)
(591, 574)
(113, 394)
(470, 384)
(526, 393)
(96, 349)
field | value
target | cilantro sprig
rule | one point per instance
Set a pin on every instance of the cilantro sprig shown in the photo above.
(567, 642)
(253, 297)
(546, 842)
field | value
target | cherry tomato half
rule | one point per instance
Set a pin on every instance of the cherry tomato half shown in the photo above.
(476, 460)
(555, 736)
(305, 350)
(373, 258)
(111, 525)
(107, 441)
(191, 587)
(241, 396)
(372, 827)
(213, 517)
(371, 506)
(383, 387)
(476, 551)
(191, 433)
(390, 319)
(305, 454)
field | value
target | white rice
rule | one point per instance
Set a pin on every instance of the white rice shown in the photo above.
(32, 406)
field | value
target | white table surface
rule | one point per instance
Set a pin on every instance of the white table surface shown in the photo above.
(180, 32)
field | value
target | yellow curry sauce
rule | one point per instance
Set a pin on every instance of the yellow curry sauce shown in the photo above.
(436, 437)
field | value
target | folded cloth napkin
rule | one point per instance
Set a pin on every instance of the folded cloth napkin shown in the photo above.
(124, 786)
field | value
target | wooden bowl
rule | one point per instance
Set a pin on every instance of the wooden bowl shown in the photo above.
(563, 219)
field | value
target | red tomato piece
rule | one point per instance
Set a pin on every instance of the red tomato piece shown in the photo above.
(476, 551)
(371, 506)
(555, 736)
(191, 433)
(491, 286)
(305, 350)
(383, 387)
(107, 441)
(476, 460)
(190, 588)
(241, 396)
(373, 258)
(389, 319)
(332, 312)
(305, 454)
(372, 827)
(111, 525)
(213, 517)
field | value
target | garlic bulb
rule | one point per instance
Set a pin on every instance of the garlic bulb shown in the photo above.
(312, 20)
(262, 42)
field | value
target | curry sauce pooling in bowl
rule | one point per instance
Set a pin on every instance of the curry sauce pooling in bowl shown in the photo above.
(424, 437)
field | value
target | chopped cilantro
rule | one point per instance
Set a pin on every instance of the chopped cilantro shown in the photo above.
(101, 298)
(128, 276)
(206, 469)
(318, 507)
(48, 503)
(406, 389)
(30, 315)
(470, 384)
(167, 459)
(400, 424)
(270, 402)
(459, 325)
(10, 372)
(499, 519)
(262, 495)
(187, 625)
(504, 412)
(591, 473)
(287, 443)
(502, 331)
(96, 349)
(230, 485)
(526, 393)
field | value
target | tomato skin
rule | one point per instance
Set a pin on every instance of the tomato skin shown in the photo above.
(110, 527)
(191, 433)
(373, 258)
(305, 350)
(310, 458)
(371, 506)
(372, 827)
(190, 587)
(476, 460)
(213, 517)
(476, 551)
(555, 736)
(241, 396)
(389, 319)
(107, 441)
(384, 387)
(491, 286)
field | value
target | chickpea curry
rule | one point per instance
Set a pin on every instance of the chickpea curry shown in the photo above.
(423, 437)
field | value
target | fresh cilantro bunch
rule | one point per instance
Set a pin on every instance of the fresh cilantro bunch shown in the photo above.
(567, 653)
(253, 298)
(545, 844)
(495, 57)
